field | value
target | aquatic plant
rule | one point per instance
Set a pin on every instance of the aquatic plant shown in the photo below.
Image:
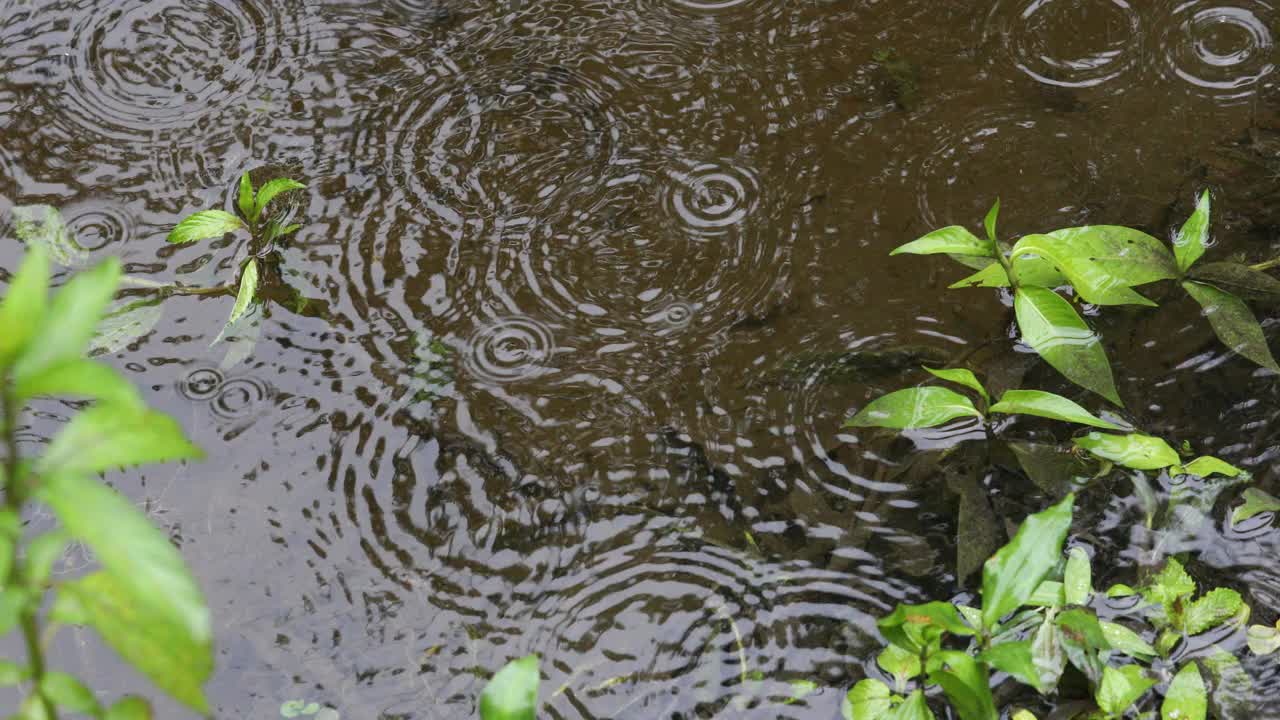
(142, 600)
(512, 692)
(1101, 265)
(1035, 620)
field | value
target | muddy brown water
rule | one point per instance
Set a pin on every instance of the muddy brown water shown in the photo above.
(645, 237)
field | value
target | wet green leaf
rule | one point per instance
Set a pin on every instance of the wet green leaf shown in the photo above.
(106, 437)
(1186, 698)
(966, 684)
(1024, 715)
(1128, 254)
(270, 191)
(1092, 277)
(1053, 329)
(205, 225)
(1170, 585)
(989, 222)
(1263, 639)
(963, 377)
(1135, 450)
(13, 600)
(244, 198)
(913, 708)
(1233, 322)
(69, 325)
(79, 377)
(1121, 688)
(1122, 639)
(169, 644)
(1077, 581)
(1049, 593)
(914, 408)
(42, 552)
(68, 693)
(917, 627)
(25, 302)
(1048, 405)
(67, 610)
(954, 240)
(1192, 238)
(1238, 279)
(901, 664)
(1052, 469)
(1256, 502)
(1014, 658)
(512, 694)
(1082, 640)
(1215, 608)
(868, 700)
(977, 527)
(992, 276)
(1208, 466)
(1047, 653)
(42, 226)
(248, 287)
(129, 708)
(1017, 569)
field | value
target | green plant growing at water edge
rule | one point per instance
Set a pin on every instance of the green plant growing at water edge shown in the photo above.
(512, 692)
(1103, 264)
(1036, 621)
(142, 599)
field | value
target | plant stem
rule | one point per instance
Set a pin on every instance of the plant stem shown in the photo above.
(1264, 266)
(15, 496)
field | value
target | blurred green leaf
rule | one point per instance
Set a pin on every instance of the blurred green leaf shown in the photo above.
(81, 378)
(13, 600)
(1121, 688)
(1256, 502)
(106, 437)
(868, 700)
(69, 325)
(1077, 581)
(1048, 405)
(11, 673)
(1011, 575)
(914, 408)
(1053, 329)
(966, 684)
(129, 708)
(1122, 639)
(205, 225)
(1238, 279)
(1192, 238)
(512, 694)
(954, 240)
(67, 610)
(1186, 697)
(42, 227)
(22, 311)
(42, 552)
(1135, 450)
(962, 377)
(68, 693)
(1233, 322)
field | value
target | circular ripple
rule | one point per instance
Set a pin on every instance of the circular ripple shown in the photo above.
(1222, 50)
(711, 198)
(240, 398)
(201, 384)
(140, 66)
(510, 349)
(94, 228)
(1068, 43)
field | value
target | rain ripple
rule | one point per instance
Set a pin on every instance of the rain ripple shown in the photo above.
(1221, 50)
(1068, 43)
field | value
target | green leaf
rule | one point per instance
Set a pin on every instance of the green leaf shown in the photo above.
(1048, 405)
(1208, 465)
(143, 562)
(915, 408)
(963, 377)
(292, 708)
(13, 600)
(268, 192)
(1053, 469)
(868, 700)
(992, 276)
(82, 378)
(1015, 659)
(1186, 697)
(971, 615)
(1024, 715)
(12, 673)
(1191, 240)
(205, 225)
(918, 627)
(163, 634)
(1135, 450)
(123, 326)
(977, 528)
(966, 684)
(1121, 688)
(512, 694)
(1122, 639)
(1092, 277)
(1077, 580)
(23, 309)
(1263, 639)
(1120, 590)
(1047, 654)
(106, 437)
(901, 664)
(1049, 593)
(1011, 575)
(1215, 608)
(129, 708)
(1169, 586)
(1129, 255)
(68, 693)
(41, 226)
(913, 708)
(42, 552)
(989, 222)
(68, 326)
(1083, 640)
(1233, 322)
(248, 287)
(1053, 329)
(1256, 502)
(1238, 279)
(244, 200)
(67, 609)
(954, 240)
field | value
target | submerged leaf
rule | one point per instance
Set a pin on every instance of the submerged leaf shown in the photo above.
(1135, 450)
(949, 240)
(1256, 502)
(1053, 329)
(915, 408)
(1238, 279)
(42, 226)
(1233, 322)
(1192, 238)
(1263, 639)
(122, 327)
(1048, 405)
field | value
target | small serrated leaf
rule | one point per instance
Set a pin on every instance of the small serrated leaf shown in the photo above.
(205, 225)
(273, 188)
(244, 201)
